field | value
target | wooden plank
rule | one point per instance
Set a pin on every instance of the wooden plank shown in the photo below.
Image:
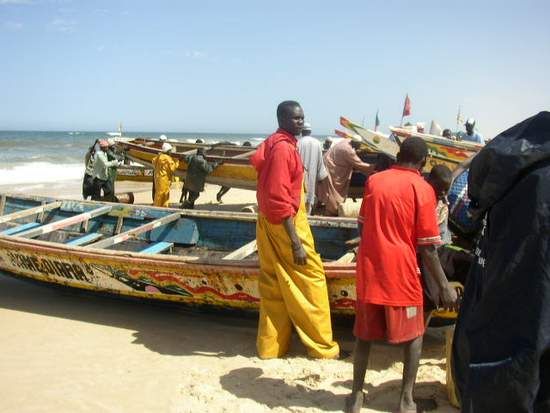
(85, 239)
(117, 239)
(41, 215)
(62, 223)
(157, 247)
(347, 258)
(244, 155)
(30, 211)
(119, 222)
(2, 204)
(242, 252)
(20, 228)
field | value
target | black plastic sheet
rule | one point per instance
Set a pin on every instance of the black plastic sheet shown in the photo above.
(501, 351)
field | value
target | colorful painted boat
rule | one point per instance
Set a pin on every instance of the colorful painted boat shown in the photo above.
(235, 170)
(384, 144)
(192, 257)
(197, 258)
(444, 148)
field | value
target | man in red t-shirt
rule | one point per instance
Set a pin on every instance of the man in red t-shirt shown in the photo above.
(397, 218)
(292, 284)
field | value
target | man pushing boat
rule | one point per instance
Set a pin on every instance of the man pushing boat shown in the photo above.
(292, 284)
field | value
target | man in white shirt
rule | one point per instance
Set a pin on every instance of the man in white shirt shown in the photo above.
(101, 173)
(311, 153)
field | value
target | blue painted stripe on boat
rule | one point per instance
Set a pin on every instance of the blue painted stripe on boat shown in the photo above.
(20, 228)
(157, 247)
(85, 239)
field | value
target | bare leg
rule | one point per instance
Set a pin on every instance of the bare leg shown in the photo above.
(360, 361)
(412, 350)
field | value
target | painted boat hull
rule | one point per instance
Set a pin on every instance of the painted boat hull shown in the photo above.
(205, 282)
(443, 148)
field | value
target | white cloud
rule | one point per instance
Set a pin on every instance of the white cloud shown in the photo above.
(12, 26)
(63, 25)
(16, 2)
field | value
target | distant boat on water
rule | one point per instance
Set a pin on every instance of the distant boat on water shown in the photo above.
(116, 134)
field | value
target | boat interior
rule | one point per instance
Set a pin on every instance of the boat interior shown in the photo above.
(191, 235)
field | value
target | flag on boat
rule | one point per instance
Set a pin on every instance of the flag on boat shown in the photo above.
(376, 121)
(407, 106)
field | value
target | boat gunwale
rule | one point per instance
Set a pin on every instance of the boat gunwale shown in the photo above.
(333, 269)
(214, 158)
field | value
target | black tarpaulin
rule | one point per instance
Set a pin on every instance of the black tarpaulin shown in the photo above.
(501, 350)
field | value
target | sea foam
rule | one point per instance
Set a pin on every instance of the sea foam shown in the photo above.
(40, 172)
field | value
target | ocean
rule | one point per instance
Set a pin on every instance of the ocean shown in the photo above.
(36, 158)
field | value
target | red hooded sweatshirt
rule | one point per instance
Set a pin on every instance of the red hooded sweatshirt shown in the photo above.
(280, 175)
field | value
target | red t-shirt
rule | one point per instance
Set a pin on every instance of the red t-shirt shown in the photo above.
(398, 214)
(280, 176)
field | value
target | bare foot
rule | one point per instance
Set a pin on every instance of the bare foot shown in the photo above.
(354, 402)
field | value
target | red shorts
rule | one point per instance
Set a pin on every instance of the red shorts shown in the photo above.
(392, 324)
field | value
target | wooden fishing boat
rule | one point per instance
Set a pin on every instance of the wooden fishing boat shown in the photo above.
(187, 256)
(438, 154)
(444, 148)
(235, 170)
(197, 258)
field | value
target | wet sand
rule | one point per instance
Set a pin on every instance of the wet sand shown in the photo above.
(67, 351)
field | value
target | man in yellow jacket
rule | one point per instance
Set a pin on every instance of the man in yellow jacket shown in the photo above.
(164, 166)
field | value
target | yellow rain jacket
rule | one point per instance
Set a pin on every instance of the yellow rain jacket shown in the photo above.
(292, 294)
(164, 166)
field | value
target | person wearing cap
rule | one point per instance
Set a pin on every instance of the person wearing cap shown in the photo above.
(101, 182)
(164, 167)
(471, 134)
(311, 153)
(420, 127)
(163, 138)
(341, 160)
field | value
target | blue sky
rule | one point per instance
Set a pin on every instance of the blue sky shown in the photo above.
(223, 66)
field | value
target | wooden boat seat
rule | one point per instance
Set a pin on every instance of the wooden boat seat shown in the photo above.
(157, 247)
(20, 228)
(84, 239)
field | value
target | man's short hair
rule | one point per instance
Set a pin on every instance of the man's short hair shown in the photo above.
(285, 108)
(441, 174)
(412, 150)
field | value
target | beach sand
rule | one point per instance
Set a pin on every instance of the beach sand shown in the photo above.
(66, 351)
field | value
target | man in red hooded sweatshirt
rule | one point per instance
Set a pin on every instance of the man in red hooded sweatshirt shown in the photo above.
(292, 282)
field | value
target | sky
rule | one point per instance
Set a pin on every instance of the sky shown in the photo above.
(223, 66)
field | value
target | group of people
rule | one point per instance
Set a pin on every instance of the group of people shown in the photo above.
(101, 162)
(401, 223)
(164, 167)
(327, 177)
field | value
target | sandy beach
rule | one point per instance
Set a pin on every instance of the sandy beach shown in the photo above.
(67, 351)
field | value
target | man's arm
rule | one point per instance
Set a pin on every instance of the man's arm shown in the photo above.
(430, 259)
(298, 251)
